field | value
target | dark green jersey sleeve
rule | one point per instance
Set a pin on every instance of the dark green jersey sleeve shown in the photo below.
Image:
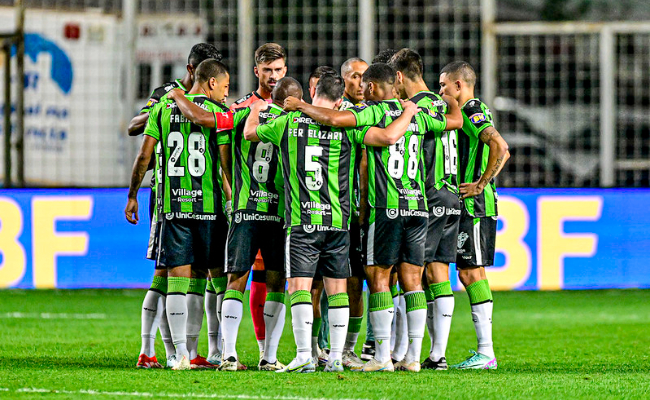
(434, 121)
(152, 129)
(477, 117)
(369, 115)
(358, 135)
(273, 131)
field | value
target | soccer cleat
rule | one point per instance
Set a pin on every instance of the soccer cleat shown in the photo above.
(261, 355)
(214, 359)
(406, 366)
(145, 362)
(477, 361)
(375, 366)
(439, 365)
(267, 366)
(295, 366)
(334, 366)
(350, 359)
(229, 364)
(368, 351)
(323, 356)
(201, 363)
(171, 361)
(182, 365)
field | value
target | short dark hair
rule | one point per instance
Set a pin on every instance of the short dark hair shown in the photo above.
(286, 87)
(379, 73)
(462, 70)
(347, 64)
(209, 68)
(408, 62)
(269, 52)
(322, 70)
(203, 51)
(331, 87)
(384, 56)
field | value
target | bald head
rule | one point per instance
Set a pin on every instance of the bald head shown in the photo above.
(460, 70)
(286, 87)
(348, 66)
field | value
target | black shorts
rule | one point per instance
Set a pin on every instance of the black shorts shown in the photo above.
(311, 248)
(476, 241)
(154, 229)
(251, 232)
(442, 233)
(357, 255)
(201, 243)
(396, 236)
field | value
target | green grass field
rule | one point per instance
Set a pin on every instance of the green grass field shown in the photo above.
(579, 344)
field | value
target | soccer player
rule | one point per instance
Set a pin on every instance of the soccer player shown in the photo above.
(316, 161)
(153, 310)
(482, 152)
(440, 163)
(190, 199)
(351, 71)
(270, 67)
(316, 75)
(398, 213)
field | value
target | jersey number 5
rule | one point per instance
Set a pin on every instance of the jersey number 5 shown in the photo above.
(195, 158)
(314, 170)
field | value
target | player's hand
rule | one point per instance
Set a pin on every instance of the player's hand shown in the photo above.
(258, 106)
(410, 107)
(174, 93)
(448, 99)
(131, 211)
(469, 190)
(291, 103)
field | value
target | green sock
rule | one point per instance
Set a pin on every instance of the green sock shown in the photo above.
(338, 300)
(428, 294)
(380, 301)
(275, 296)
(442, 289)
(479, 292)
(394, 291)
(159, 284)
(177, 285)
(220, 284)
(415, 301)
(209, 286)
(315, 329)
(234, 294)
(300, 296)
(354, 324)
(197, 286)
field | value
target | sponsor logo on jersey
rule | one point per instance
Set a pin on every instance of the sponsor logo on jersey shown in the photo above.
(237, 218)
(259, 217)
(462, 238)
(413, 213)
(478, 117)
(438, 211)
(305, 120)
(439, 103)
(151, 102)
(309, 228)
(393, 113)
(391, 213)
(189, 215)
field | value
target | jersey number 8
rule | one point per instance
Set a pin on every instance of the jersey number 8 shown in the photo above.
(396, 158)
(195, 159)
(263, 156)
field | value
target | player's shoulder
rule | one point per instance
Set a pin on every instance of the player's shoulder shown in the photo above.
(475, 110)
(246, 101)
(215, 105)
(428, 100)
(162, 90)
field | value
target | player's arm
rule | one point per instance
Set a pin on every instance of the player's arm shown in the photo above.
(139, 169)
(363, 187)
(225, 158)
(454, 116)
(137, 124)
(253, 121)
(497, 157)
(341, 119)
(388, 136)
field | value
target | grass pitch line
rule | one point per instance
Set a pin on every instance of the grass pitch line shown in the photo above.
(174, 395)
(21, 315)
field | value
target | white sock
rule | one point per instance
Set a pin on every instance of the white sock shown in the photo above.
(260, 344)
(302, 319)
(338, 324)
(381, 321)
(351, 338)
(401, 331)
(219, 305)
(177, 318)
(393, 324)
(213, 322)
(274, 317)
(482, 317)
(194, 322)
(165, 332)
(416, 321)
(231, 313)
(431, 311)
(152, 309)
(444, 310)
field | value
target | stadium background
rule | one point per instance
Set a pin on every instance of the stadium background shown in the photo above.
(569, 90)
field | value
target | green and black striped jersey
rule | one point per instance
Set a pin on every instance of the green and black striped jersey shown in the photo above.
(473, 157)
(160, 92)
(396, 173)
(258, 184)
(356, 190)
(316, 165)
(190, 184)
(440, 153)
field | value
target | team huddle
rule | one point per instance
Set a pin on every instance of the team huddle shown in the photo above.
(377, 179)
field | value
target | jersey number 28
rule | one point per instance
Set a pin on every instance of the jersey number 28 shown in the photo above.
(195, 158)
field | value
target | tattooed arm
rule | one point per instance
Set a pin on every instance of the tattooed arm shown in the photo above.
(498, 156)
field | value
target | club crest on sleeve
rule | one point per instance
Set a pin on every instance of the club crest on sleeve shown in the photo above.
(478, 117)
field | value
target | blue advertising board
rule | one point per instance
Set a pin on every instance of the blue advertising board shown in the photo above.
(548, 239)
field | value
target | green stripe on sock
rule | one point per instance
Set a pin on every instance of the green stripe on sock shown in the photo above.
(354, 324)
(197, 285)
(479, 292)
(428, 294)
(315, 328)
(441, 289)
(159, 284)
(220, 284)
(338, 300)
(209, 287)
(177, 284)
(401, 291)
(380, 301)
(234, 294)
(394, 291)
(415, 301)
(301, 296)
(275, 296)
